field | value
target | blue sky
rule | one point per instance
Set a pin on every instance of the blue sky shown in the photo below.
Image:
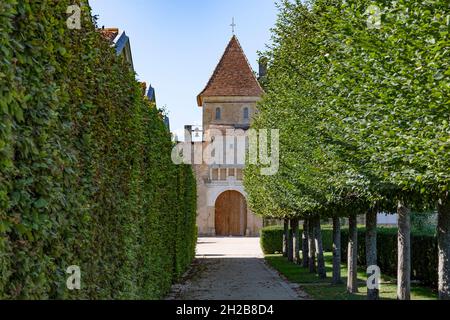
(176, 44)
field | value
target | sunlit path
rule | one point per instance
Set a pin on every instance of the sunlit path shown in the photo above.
(233, 269)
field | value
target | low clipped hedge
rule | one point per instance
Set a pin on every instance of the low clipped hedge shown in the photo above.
(272, 239)
(86, 176)
(424, 251)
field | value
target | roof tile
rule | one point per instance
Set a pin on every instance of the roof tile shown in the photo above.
(233, 76)
(109, 34)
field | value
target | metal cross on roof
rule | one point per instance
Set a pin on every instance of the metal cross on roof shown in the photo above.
(232, 25)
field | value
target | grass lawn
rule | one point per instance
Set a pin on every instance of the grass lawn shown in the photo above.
(323, 290)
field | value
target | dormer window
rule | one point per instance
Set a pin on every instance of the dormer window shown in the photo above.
(246, 114)
(218, 114)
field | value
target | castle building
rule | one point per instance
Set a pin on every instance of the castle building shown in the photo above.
(229, 103)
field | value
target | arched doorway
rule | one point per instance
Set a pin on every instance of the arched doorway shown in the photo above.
(231, 214)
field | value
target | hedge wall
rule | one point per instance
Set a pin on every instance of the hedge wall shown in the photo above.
(86, 176)
(424, 256)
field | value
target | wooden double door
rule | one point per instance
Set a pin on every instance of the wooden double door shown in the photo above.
(231, 214)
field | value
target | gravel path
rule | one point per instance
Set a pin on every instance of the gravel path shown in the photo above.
(233, 269)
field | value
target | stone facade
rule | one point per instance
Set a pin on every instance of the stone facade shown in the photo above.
(229, 103)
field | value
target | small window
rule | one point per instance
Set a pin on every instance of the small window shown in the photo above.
(218, 114)
(246, 114)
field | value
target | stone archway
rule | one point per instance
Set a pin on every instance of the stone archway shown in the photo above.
(231, 214)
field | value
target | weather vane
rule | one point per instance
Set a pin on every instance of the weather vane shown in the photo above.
(232, 25)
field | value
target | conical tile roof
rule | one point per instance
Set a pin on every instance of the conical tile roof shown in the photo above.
(233, 76)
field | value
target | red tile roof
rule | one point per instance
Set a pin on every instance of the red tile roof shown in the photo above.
(233, 76)
(109, 33)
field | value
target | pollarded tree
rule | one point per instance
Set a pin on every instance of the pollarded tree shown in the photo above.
(389, 82)
(354, 191)
(309, 172)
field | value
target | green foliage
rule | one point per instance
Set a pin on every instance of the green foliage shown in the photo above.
(312, 178)
(425, 222)
(86, 176)
(272, 239)
(362, 111)
(322, 289)
(388, 92)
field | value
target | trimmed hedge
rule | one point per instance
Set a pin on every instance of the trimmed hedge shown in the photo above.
(424, 251)
(272, 239)
(86, 176)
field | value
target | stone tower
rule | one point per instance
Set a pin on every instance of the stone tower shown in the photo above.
(229, 103)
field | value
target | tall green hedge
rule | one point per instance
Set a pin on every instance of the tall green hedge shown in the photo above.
(86, 176)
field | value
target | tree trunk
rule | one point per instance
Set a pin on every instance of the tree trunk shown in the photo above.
(290, 245)
(296, 240)
(305, 250)
(285, 237)
(352, 277)
(443, 234)
(319, 249)
(336, 251)
(371, 248)
(311, 247)
(404, 252)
